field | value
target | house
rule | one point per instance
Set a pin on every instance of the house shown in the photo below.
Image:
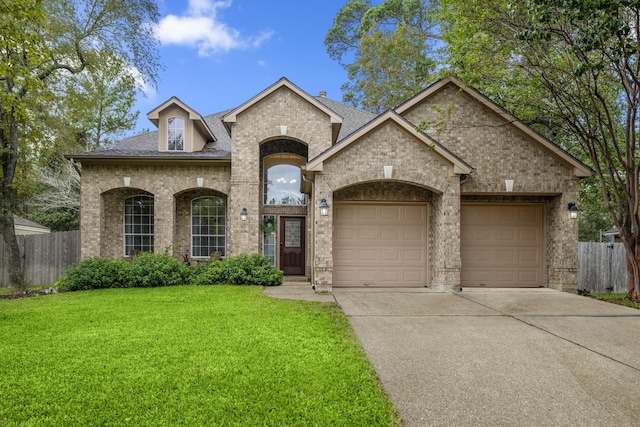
(24, 226)
(342, 197)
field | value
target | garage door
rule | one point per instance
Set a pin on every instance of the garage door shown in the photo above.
(380, 245)
(502, 246)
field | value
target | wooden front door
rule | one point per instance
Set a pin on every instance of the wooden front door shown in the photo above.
(292, 244)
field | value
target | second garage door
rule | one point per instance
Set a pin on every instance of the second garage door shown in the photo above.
(502, 245)
(380, 245)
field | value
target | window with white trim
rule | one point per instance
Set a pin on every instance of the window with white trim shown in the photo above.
(138, 225)
(208, 227)
(175, 134)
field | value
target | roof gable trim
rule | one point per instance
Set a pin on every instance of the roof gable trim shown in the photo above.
(580, 169)
(231, 116)
(194, 116)
(459, 166)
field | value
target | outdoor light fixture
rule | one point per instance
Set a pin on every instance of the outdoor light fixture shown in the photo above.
(573, 210)
(243, 214)
(324, 207)
(508, 183)
(127, 181)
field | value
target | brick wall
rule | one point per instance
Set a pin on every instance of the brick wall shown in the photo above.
(102, 202)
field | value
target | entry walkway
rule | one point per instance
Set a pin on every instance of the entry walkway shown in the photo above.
(500, 357)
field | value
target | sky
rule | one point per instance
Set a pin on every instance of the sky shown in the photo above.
(218, 54)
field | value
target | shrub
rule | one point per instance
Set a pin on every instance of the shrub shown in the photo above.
(153, 270)
(145, 270)
(243, 269)
(93, 273)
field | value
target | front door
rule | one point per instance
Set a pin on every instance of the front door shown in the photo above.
(292, 259)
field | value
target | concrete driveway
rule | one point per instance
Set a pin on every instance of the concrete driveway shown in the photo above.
(500, 357)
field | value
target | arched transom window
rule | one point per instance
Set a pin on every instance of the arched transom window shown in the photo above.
(175, 134)
(138, 225)
(208, 227)
(282, 180)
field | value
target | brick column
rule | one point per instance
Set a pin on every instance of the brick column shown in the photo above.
(562, 243)
(445, 223)
(91, 220)
(322, 264)
(244, 236)
(164, 221)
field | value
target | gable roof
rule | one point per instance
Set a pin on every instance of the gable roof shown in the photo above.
(459, 166)
(25, 226)
(579, 169)
(194, 116)
(336, 119)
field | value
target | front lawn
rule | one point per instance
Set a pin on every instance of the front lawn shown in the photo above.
(183, 355)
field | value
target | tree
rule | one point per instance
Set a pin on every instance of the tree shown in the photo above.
(98, 102)
(388, 50)
(579, 62)
(42, 40)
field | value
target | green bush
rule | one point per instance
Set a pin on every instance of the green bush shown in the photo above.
(152, 270)
(243, 269)
(145, 270)
(93, 273)
(149, 270)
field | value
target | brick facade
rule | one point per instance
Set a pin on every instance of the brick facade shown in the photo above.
(292, 122)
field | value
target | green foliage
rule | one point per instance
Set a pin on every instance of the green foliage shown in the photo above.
(184, 355)
(243, 269)
(149, 270)
(42, 45)
(94, 273)
(146, 270)
(388, 50)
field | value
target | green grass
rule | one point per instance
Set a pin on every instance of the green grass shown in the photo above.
(210, 355)
(616, 298)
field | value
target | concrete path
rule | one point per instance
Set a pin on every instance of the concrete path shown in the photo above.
(498, 357)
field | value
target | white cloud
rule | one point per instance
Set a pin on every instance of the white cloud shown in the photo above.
(200, 28)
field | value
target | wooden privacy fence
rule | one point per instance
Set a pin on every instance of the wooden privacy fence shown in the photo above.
(602, 267)
(44, 256)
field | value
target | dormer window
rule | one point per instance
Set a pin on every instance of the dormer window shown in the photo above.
(175, 134)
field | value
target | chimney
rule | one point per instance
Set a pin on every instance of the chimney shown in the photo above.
(323, 94)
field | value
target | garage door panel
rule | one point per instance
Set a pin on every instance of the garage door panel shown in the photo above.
(386, 245)
(390, 254)
(502, 246)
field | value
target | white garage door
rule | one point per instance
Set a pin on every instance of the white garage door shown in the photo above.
(502, 246)
(380, 245)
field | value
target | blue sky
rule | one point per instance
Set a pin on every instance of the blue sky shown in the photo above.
(219, 54)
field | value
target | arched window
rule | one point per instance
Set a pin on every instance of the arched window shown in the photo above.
(138, 225)
(208, 227)
(282, 180)
(175, 134)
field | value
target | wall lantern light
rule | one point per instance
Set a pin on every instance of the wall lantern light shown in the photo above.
(508, 183)
(243, 214)
(573, 210)
(324, 207)
(127, 181)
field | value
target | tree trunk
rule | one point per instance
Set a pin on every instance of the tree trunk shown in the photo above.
(9, 162)
(633, 275)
